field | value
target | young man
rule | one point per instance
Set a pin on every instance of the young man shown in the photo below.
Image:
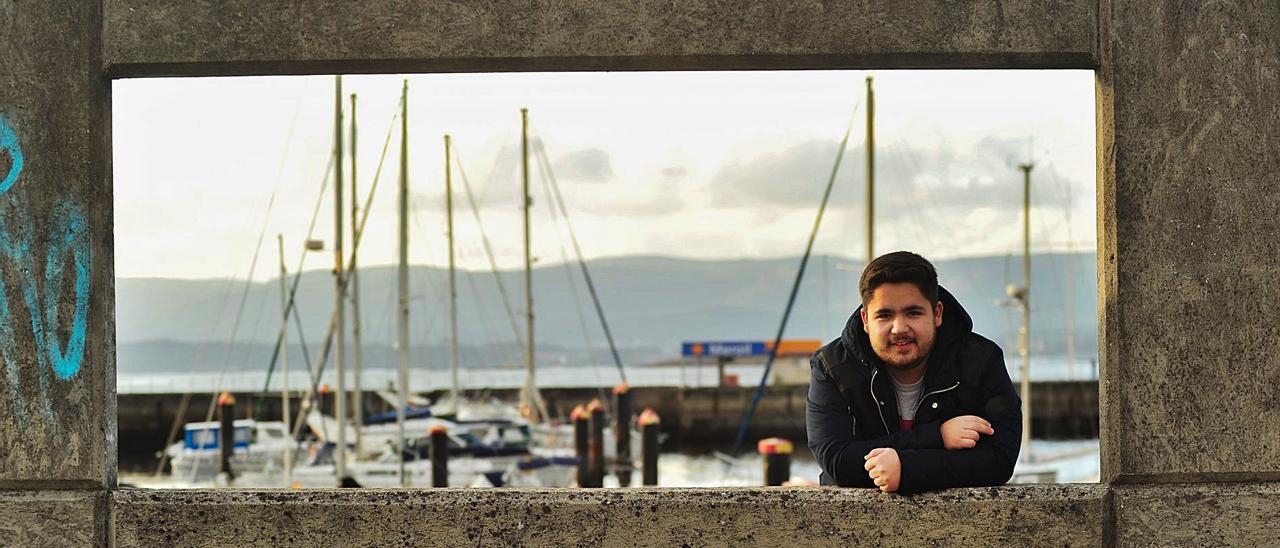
(909, 398)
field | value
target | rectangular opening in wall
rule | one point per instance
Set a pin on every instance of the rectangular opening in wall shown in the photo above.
(670, 215)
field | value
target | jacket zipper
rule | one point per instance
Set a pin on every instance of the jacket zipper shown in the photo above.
(921, 402)
(880, 404)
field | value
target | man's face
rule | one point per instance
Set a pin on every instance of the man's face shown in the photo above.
(901, 325)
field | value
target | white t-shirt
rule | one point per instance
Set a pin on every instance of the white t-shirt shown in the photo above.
(908, 397)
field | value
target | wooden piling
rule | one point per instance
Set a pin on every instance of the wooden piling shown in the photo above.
(622, 434)
(581, 443)
(649, 423)
(777, 460)
(227, 432)
(596, 467)
(325, 394)
(439, 456)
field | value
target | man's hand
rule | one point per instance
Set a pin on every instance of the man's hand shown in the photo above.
(884, 468)
(962, 432)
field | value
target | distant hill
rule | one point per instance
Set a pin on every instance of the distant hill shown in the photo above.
(652, 304)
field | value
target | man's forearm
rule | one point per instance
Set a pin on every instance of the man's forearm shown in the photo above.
(843, 459)
(990, 463)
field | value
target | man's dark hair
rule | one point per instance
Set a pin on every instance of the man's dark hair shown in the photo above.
(899, 267)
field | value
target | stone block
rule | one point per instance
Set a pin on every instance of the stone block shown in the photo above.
(53, 518)
(159, 37)
(57, 387)
(1207, 514)
(1057, 515)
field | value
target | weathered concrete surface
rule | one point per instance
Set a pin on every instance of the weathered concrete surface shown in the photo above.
(1190, 259)
(159, 37)
(57, 386)
(1210, 514)
(1025, 516)
(53, 518)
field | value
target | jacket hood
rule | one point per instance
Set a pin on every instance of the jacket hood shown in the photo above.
(956, 327)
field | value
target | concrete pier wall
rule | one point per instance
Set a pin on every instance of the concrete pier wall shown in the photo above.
(1188, 98)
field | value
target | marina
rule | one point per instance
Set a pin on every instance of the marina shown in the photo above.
(354, 418)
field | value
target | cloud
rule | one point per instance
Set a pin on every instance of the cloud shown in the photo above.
(591, 165)
(909, 179)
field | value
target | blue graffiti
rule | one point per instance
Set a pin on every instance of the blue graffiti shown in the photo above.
(72, 235)
(68, 238)
(9, 142)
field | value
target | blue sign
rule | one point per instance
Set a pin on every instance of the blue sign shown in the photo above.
(721, 349)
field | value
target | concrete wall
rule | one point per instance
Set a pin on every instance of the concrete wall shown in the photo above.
(1006, 516)
(1189, 100)
(150, 37)
(1189, 164)
(57, 401)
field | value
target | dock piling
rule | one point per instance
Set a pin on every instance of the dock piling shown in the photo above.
(226, 432)
(581, 443)
(596, 466)
(439, 456)
(622, 434)
(649, 422)
(777, 460)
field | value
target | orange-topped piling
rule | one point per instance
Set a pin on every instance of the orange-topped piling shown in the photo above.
(622, 405)
(649, 423)
(325, 395)
(595, 451)
(439, 440)
(582, 443)
(777, 459)
(226, 433)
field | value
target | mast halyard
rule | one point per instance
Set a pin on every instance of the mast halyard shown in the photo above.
(340, 454)
(357, 393)
(403, 271)
(453, 285)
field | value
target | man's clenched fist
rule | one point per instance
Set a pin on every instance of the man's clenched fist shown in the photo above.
(962, 432)
(884, 468)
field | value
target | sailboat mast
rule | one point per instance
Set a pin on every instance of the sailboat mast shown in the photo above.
(357, 394)
(403, 269)
(871, 171)
(453, 284)
(1071, 332)
(529, 403)
(284, 365)
(340, 455)
(1026, 307)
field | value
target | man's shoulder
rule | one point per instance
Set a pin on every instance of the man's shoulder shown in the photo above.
(832, 355)
(837, 363)
(978, 358)
(976, 345)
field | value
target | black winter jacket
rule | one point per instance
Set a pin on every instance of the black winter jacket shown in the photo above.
(852, 409)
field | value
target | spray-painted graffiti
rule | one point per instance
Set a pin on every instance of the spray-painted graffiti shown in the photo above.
(68, 238)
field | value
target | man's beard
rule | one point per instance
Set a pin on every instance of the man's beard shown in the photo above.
(896, 363)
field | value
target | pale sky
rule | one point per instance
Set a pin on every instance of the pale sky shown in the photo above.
(694, 164)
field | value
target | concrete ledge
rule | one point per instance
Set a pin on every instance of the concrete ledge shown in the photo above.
(221, 37)
(1204, 514)
(53, 518)
(1058, 515)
